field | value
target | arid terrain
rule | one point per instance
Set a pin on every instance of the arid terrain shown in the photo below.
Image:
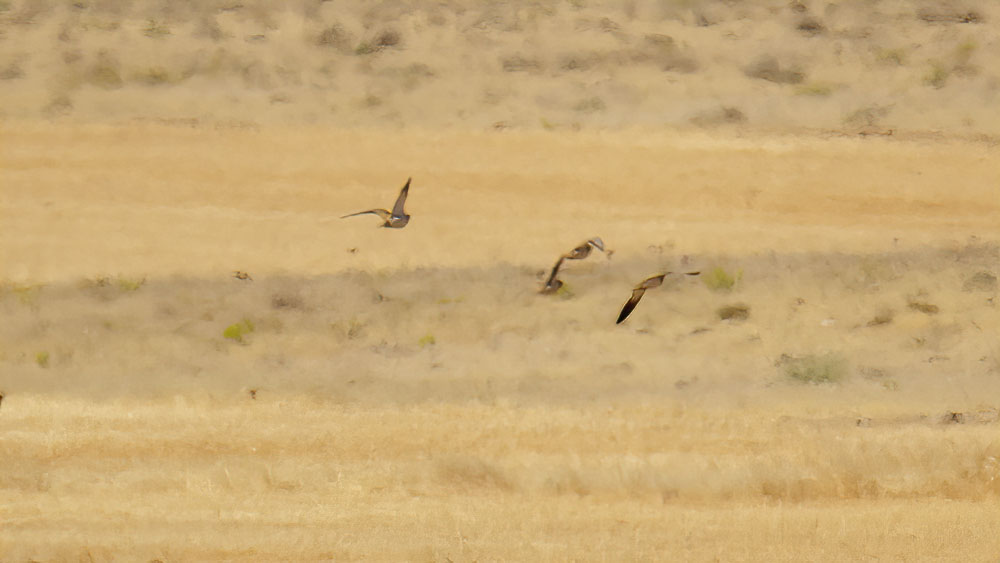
(827, 389)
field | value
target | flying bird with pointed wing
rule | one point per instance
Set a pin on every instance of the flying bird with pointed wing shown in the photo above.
(637, 293)
(397, 219)
(552, 284)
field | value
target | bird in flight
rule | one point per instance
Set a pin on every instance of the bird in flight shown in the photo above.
(648, 283)
(552, 284)
(583, 251)
(398, 218)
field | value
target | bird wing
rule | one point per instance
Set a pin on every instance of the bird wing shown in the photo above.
(555, 271)
(597, 243)
(630, 304)
(380, 212)
(397, 210)
(654, 281)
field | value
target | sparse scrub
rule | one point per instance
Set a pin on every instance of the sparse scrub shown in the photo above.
(286, 301)
(518, 63)
(12, 71)
(768, 68)
(980, 281)
(589, 105)
(58, 105)
(42, 359)
(130, 284)
(464, 472)
(869, 115)
(924, 307)
(818, 89)
(239, 331)
(810, 26)
(718, 279)
(963, 58)
(105, 74)
(364, 48)
(937, 75)
(27, 294)
(154, 76)
(882, 318)
(336, 37)
(896, 56)
(721, 116)
(355, 329)
(383, 40)
(815, 369)
(738, 312)
(427, 340)
(155, 29)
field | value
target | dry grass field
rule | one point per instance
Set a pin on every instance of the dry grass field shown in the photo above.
(828, 389)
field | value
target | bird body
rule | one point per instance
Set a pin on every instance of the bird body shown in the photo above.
(552, 284)
(583, 251)
(640, 290)
(395, 219)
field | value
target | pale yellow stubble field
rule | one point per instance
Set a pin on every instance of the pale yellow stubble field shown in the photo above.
(416, 399)
(408, 394)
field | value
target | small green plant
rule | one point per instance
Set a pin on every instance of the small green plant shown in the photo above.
(937, 76)
(130, 284)
(238, 331)
(155, 29)
(816, 369)
(427, 340)
(738, 312)
(354, 329)
(364, 48)
(42, 359)
(892, 56)
(155, 76)
(818, 89)
(565, 291)
(718, 279)
(105, 75)
(965, 50)
(590, 105)
(27, 294)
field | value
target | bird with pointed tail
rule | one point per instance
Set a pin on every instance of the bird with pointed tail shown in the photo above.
(637, 293)
(397, 218)
(552, 284)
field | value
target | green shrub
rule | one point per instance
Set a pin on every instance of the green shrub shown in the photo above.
(27, 294)
(155, 29)
(427, 340)
(237, 331)
(814, 89)
(42, 359)
(720, 280)
(130, 284)
(816, 369)
(937, 76)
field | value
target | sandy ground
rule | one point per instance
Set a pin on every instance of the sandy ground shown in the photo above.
(825, 390)
(409, 395)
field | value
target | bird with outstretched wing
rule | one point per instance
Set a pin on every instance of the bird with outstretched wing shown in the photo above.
(397, 218)
(640, 290)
